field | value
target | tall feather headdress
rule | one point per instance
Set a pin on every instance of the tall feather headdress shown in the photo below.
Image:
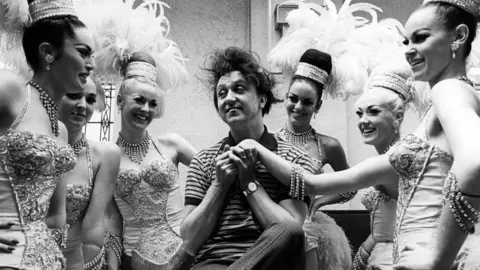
(120, 29)
(335, 32)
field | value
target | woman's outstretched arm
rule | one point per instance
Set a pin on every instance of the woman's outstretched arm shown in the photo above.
(372, 171)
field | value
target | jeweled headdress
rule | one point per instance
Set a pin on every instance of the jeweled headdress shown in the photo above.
(315, 65)
(42, 9)
(397, 76)
(470, 6)
(346, 38)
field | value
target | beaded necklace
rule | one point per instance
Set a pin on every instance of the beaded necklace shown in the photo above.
(135, 151)
(78, 146)
(50, 107)
(298, 138)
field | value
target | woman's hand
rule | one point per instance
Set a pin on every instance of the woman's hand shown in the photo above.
(7, 243)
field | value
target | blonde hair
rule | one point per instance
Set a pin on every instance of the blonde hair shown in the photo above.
(128, 84)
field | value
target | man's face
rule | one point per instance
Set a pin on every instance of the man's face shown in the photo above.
(238, 100)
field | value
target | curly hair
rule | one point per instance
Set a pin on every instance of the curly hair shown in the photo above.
(237, 59)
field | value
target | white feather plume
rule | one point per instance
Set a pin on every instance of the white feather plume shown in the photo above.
(120, 30)
(325, 29)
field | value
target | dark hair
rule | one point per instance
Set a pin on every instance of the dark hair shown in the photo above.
(452, 16)
(316, 85)
(137, 57)
(236, 59)
(52, 30)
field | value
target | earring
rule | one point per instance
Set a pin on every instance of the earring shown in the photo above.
(120, 108)
(454, 47)
(49, 60)
(315, 114)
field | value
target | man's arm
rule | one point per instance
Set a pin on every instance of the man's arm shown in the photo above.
(204, 204)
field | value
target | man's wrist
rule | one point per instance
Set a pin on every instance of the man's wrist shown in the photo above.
(250, 187)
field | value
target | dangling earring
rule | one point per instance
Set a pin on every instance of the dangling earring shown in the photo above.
(315, 114)
(49, 60)
(454, 47)
(120, 108)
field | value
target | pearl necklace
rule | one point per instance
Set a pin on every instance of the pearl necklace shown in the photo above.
(78, 146)
(135, 151)
(298, 138)
(50, 106)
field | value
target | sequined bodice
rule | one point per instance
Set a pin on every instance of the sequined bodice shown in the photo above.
(34, 162)
(143, 197)
(422, 168)
(78, 197)
(382, 209)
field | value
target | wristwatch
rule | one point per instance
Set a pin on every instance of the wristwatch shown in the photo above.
(251, 188)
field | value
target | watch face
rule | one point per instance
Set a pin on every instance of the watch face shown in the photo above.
(252, 186)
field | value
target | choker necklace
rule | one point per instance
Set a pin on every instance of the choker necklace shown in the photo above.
(135, 151)
(78, 146)
(298, 138)
(50, 106)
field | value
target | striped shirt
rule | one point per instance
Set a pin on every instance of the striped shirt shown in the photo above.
(237, 228)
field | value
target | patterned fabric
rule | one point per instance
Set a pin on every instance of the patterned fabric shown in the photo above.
(78, 196)
(238, 229)
(31, 165)
(144, 200)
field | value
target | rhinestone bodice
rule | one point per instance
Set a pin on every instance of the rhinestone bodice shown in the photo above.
(33, 163)
(78, 197)
(144, 198)
(382, 209)
(422, 168)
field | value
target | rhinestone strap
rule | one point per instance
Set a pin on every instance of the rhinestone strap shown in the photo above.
(464, 213)
(298, 138)
(358, 263)
(135, 151)
(347, 196)
(60, 235)
(97, 262)
(115, 243)
(50, 106)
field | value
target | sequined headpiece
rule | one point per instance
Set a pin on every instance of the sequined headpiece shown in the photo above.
(315, 65)
(143, 69)
(470, 6)
(403, 87)
(42, 9)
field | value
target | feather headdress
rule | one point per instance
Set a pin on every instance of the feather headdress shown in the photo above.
(336, 33)
(120, 29)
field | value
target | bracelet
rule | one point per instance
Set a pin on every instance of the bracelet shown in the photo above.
(297, 182)
(464, 213)
(60, 235)
(358, 263)
(347, 196)
(97, 262)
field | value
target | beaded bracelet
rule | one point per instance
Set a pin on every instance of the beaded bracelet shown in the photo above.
(97, 262)
(347, 196)
(297, 182)
(358, 263)
(464, 213)
(60, 235)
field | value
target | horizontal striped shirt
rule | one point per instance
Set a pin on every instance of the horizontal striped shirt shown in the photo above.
(237, 228)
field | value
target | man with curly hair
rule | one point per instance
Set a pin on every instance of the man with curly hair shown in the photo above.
(237, 215)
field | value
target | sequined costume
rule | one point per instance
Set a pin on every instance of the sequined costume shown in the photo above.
(382, 209)
(151, 205)
(422, 168)
(78, 197)
(31, 165)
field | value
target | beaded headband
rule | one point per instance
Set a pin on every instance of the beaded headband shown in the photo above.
(312, 72)
(393, 82)
(42, 9)
(143, 69)
(470, 6)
